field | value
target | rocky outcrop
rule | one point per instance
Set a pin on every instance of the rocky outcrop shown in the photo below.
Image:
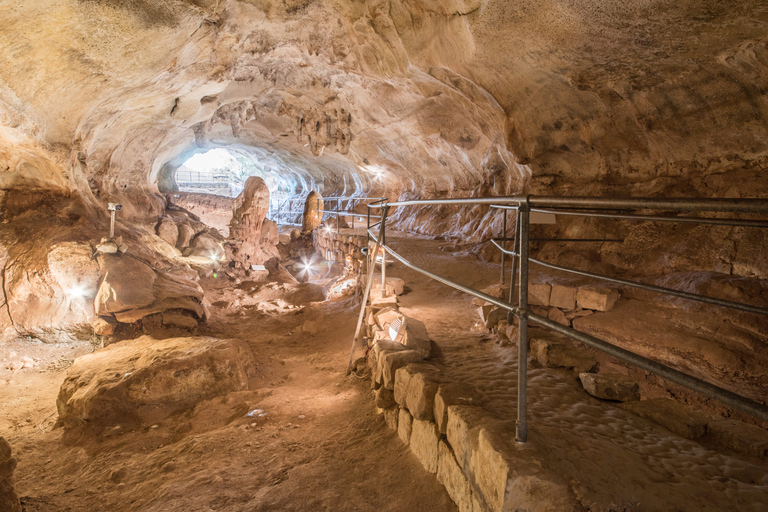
(147, 379)
(312, 216)
(9, 501)
(252, 237)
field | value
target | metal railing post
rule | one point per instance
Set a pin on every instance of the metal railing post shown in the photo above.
(503, 244)
(513, 270)
(383, 252)
(338, 218)
(521, 425)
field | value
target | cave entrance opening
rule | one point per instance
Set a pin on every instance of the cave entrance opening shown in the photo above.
(223, 172)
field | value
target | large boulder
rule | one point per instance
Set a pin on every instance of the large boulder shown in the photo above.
(9, 500)
(145, 380)
(168, 231)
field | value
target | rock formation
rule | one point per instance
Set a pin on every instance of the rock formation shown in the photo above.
(252, 237)
(312, 217)
(9, 501)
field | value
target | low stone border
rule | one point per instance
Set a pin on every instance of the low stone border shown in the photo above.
(450, 433)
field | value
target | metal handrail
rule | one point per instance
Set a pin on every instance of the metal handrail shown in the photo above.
(523, 205)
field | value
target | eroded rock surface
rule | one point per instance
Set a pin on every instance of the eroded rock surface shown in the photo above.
(9, 500)
(144, 380)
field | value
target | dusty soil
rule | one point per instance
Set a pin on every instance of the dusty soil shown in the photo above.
(320, 446)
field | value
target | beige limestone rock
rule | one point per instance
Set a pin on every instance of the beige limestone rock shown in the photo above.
(127, 284)
(452, 393)
(424, 443)
(739, 437)
(186, 232)
(403, 378)
(538, 294)
(491, 315)
(551, 353)
(597, 299)
(453, 479)
(679, 418)
(104, 326)
(312, 218)
(384, 398)
(145, 378)
(563, 297)
(392, 360)
(461, 430)
(178, 319)
(509, 479)
(608, 386)
(394, 285)
(420, 399)
(404, 424)
(391, 416)
(558, 316)
(167, 230)
(246, 245)
(416, 337)
(9, 500)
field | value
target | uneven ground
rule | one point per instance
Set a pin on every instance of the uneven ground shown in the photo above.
(322, 446)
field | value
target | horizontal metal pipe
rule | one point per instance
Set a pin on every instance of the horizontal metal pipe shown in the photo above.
(604, 203)
(350, 198)
(729, 398)
(658, 218)
(576, 240)
(659, 289)
(452, 284)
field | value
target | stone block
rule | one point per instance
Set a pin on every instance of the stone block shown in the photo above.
(384, 398)
(453, 479)
(386, 316)
(508, 480)
(608, 386)
(404, 424)
(563, 297)
(378, 303)
(420, 399)
(679, 418)
(417, 337)
(461, 430)
(558, 316)
(498, 291)
(424, 442)
(391, 360)
(491, 315)
(739, 437)
(391, 416)
(553, 354)
(598, 299)
(376, 356)
(539, 293)
(403, 378)
(450, 393)
(394, 284)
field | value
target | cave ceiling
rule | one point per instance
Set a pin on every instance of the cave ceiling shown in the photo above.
(357, 97)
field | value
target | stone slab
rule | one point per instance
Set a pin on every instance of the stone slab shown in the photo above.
(563, 297)
(391, 416)
(554, 354)
(390, 361)
(679, 418)
(596, 298)
(539, 293)
(424, 443)
(420, 399)
(739, 437)
(461, 430)
(453, 479)
(606, 386)
(451, 393)
(404, 423)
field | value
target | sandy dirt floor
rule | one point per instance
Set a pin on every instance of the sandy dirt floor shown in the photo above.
(322, 445)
